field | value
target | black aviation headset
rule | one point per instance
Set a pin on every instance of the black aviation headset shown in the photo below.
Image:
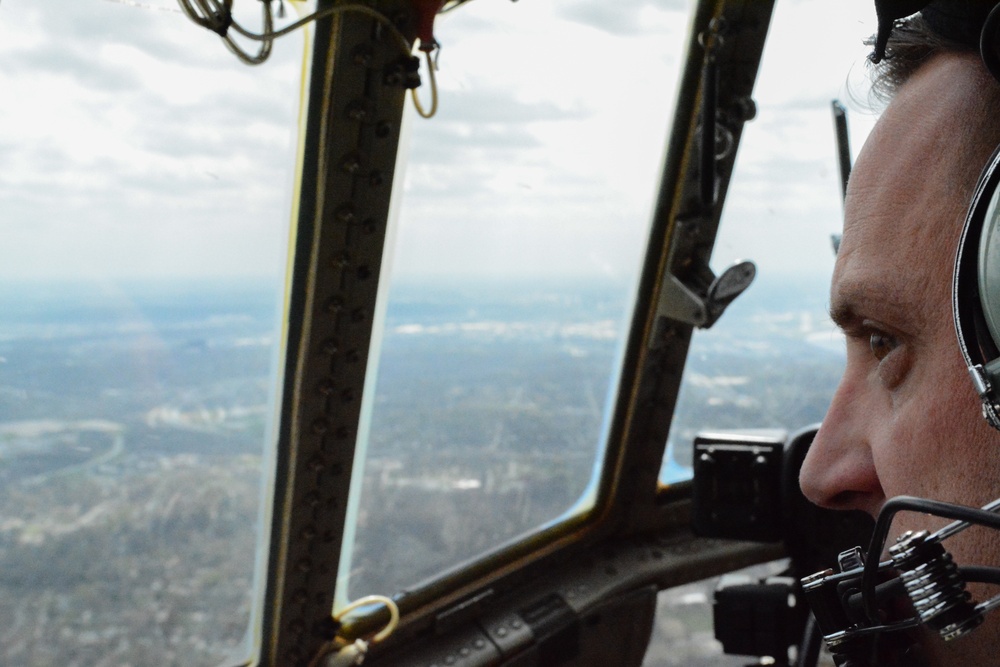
(850, 606)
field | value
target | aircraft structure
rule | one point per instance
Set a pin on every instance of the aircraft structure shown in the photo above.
(510, 415)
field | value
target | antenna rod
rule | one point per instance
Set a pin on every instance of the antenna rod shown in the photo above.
(843, 145)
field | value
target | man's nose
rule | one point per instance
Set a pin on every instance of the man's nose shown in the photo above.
(839, 471)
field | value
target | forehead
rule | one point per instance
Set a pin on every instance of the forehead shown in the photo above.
(905, 204)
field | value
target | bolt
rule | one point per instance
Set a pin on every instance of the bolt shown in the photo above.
(345, 214)
(352, 163)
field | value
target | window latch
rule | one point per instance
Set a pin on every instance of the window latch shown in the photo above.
(703, 307)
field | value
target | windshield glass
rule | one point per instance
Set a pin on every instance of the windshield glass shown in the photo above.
(774, 358)
(145, 185)
(521, 229)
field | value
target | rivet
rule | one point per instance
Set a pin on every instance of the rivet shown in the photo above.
(334, 304)
(320, 426)
(316, 464)
(393, 75)
(356, 111)
(346, 214)
(363, 55)
(351, 164)
(304, 565)
(330, 346)
(364, 273)
(383, 129)
(326, 386)
(299, 596)
(309, 533)
(375, 179)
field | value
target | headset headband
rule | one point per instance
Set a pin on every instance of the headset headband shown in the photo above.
(971, 23)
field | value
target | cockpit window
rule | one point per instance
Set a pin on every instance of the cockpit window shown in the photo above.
(145, 190)
(774, 358)
(520, 232)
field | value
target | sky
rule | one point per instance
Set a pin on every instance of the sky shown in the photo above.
(561, 148)
(134, 145)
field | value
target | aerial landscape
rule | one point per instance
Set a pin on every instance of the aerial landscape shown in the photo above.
(134, 424)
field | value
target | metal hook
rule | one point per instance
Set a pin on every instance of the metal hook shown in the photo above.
(713, 38)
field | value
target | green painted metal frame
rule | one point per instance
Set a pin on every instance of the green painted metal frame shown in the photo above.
(352, 131)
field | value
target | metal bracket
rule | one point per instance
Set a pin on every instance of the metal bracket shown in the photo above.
(684, 303)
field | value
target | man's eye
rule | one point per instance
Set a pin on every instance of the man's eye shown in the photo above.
(881, 344)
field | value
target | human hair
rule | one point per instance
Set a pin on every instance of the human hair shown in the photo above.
(912, 43)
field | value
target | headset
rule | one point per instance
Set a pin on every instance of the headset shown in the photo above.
(865, 610)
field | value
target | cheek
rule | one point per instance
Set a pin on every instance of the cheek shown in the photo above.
(936, 444)
(948, 452)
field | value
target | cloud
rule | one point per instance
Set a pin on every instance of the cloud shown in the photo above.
(135, 137)
(487, 103)
(622, 17)
(550, 114)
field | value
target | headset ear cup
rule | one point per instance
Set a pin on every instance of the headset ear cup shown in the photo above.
(988, 276)
(976, 290)
(989, 42)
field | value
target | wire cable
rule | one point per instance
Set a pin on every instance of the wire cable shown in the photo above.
(431, 66)
(968, 515)
(812, 641)
(217, 16)
(351, 653)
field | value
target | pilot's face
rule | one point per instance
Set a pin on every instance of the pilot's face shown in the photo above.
(905, 419)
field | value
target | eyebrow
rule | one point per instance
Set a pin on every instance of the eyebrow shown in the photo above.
(857, 301)
(844, 316)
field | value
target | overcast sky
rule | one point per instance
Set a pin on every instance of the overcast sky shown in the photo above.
(133, 144)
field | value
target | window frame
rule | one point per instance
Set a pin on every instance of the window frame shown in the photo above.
(354, 110)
